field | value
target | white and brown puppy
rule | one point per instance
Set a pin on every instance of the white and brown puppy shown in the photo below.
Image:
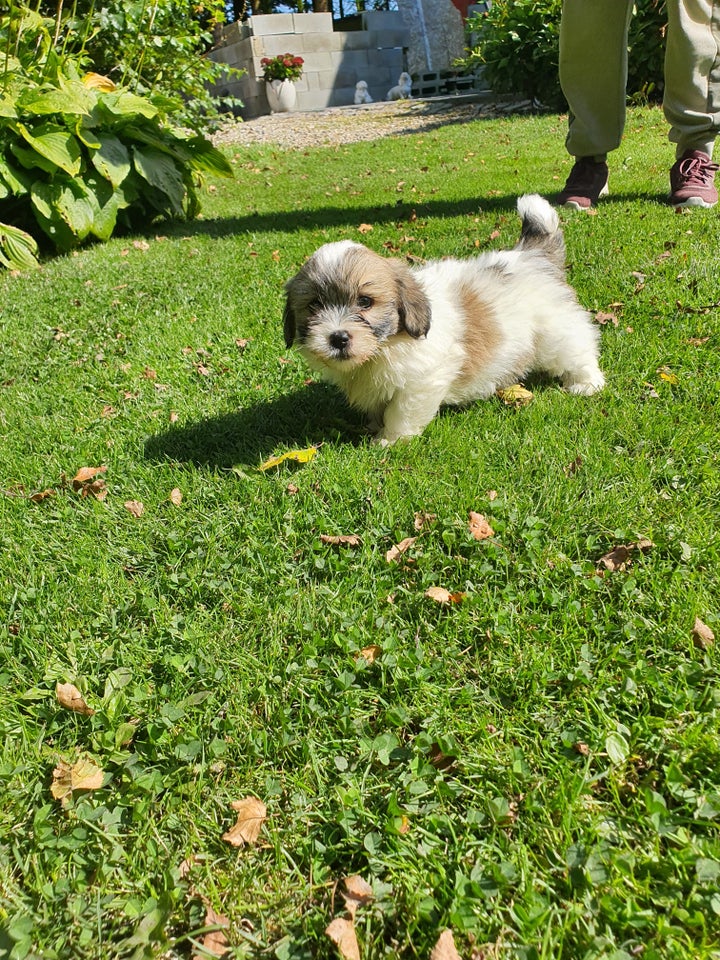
(400, 341)
(362, 94)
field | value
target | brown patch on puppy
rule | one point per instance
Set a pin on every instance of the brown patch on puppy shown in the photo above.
(482, 334)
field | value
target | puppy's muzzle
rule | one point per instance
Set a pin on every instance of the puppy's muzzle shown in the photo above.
(339, 340)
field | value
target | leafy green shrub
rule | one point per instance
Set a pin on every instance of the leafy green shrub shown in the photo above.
(517, 44)
(80, 157)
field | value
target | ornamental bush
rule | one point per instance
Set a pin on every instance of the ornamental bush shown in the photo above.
(516, 42)
(81, 157)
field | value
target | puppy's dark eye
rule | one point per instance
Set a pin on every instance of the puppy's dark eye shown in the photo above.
(314, 307)
(365, 302)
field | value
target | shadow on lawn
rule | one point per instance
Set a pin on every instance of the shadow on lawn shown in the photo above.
(249, 435)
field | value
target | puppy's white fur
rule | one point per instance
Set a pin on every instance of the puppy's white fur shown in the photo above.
(401, 342)
(402, 89)
(361, 92)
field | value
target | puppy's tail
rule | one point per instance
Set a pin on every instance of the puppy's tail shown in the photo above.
(541, 229)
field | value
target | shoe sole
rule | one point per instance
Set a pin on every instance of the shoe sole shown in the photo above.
(693, 202)
(576, 205)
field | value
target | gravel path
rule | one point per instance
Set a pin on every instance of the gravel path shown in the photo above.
(340, 125)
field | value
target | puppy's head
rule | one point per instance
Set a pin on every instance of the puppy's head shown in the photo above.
(361, 86)
(346, 302)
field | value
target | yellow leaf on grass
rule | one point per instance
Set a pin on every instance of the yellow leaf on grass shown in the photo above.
(85, 475)
(515, 396)
(341, 540)
(81, 775)
(479, 527)
(69, 696)
(703, 637)
(175, 496)
(251, 816)
(96, 81)
(215, 942)
(441, 595)
(445, 948)
(342, 934)
(365, 228)
(620, 557)
(371, 653)
(298, 456)
(135, 507)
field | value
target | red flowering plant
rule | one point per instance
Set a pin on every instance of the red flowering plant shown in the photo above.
(282, 67)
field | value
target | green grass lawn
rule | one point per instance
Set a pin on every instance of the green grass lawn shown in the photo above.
(536, 767)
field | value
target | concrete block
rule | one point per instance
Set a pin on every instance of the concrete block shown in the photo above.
(351, 62)
(391, 60)
(388, 38)
(312, 22)
(314, 100)
(318, 62)
(267, 24)
(382, 20)
(322, 42)
(283, 43)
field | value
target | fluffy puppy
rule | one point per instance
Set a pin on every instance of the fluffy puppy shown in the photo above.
(361, 92)
(401, 342)
(402, 89)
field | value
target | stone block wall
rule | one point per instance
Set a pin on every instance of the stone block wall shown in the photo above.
(334, 61)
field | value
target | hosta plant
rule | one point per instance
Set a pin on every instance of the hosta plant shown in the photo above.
(80, 157)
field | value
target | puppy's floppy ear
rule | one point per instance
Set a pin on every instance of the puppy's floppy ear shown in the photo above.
(289, 320)
(413, 306)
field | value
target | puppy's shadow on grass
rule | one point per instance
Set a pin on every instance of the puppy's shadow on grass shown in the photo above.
(249, 435)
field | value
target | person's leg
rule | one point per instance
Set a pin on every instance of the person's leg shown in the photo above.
(692, 98)
(593, 73)
(593, 77)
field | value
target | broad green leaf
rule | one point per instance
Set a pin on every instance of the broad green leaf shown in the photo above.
(161, 172)
(17, 181)
(298, 456)
(204, 156)
(18, 250)
(54, 143)
(111, 159)
(616, 747)
(31, 159)
(127, 104)
(7, 107)
(71, 99)
(64, 202)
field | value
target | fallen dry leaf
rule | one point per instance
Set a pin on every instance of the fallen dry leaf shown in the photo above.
(341, 540)
(703, 637)
(149, 373)
(423, 520)
(572, 468)
(69, 696)
(84, 774)
(357, 893)
(298, 456)
(441, 595)
(445, 948)
(135, 507)
(365, 228)
(42, 495)
(479, 527)
(697, 341)
(620, 557)
(602, 318)
(175, 496)
(342, 934)
(251, 816)
(85, 475)
(215, 942)
(141, 245)
(515, 396)
(395, 552)
(242, 342)
(371, 653)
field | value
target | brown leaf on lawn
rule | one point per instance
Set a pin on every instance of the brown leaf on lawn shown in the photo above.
(251, 816)
(371, 653)
(697, 341)
(602, 318)
(42, 495)
(141, 245)
(341, 540)
(82, 775)
(440, 760)
(357, 893)
(441, 595)
(394, 553)
(175, 496)
(703, 637)
(620, 557)
(492, 495)
(515, 396)
(95, 489)
(342, 934)
(149, 373)
(365, 228)
(479, 527)
(572, 468)
(135, 507)
(69, 696)
(85, 475)
(582, 748)
(423, 520)
(242, 342)
(215, 942)
(445, 948)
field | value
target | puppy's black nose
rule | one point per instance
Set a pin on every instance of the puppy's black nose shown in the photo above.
(339, 339)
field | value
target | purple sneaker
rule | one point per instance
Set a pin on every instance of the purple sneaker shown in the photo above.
(692, 180)
(587, 181)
